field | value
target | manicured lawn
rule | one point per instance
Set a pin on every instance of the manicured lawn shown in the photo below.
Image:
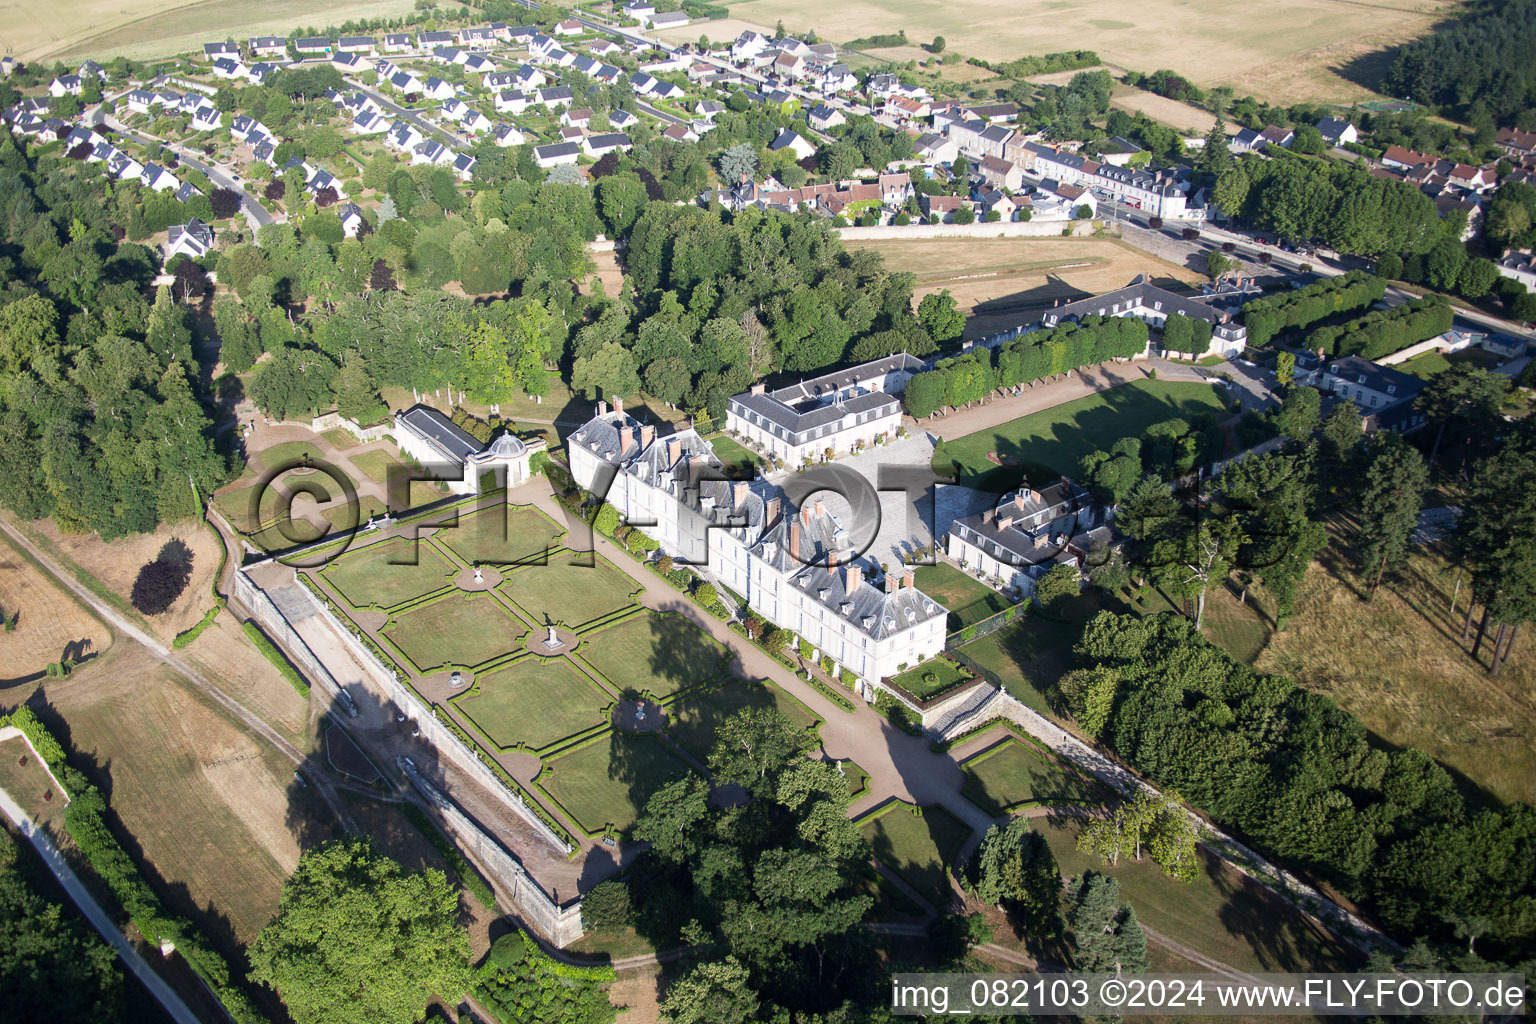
(931, 678)
(263, 528)
(1031, 654)
(460, 629)
(1052, 442)
(732, 454)
(658, 654)
(340, 439)
(383, 575)
(1013, 774)
(563, 591)
(503, 535)
(1217, 913)
(288, 454)
(695, 718)
(533, 703)
(376, 464)
(606, 784)
(920, 850)
(967, 598)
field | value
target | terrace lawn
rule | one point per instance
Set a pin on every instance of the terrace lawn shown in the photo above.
(1218, 913)
(735, 457)
(460, 629)
(1052, 442)
(918, 849)
(288, 454)
(532, 704)
(1032, 653)
(606, 783)
(563, 591)
(658, 654)
(967, 598)
(501, 535)
(946, 676)
(383, 575)
(1013, 774)
(695, 718)
(376, 464)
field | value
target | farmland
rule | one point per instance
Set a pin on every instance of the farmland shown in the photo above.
(155, 28)
(999, 281)
(1204, 39)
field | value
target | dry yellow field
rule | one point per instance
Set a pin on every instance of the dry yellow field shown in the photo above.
(156, 28)
(1202, 39)
(1178, 116)
(213, 808)
(1001, 281)
(117, 563)
(50, 619)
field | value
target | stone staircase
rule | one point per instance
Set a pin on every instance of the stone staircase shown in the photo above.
(972, 711)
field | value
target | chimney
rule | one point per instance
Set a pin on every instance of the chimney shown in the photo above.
(831, 559)
(805, 516)
(794, 541)
(647, 434)
(618, 405)
(674, 448)
(891, 583)
(758, 389)
(906, 579)
(821, 508)
(771, 512)
(853, 578)
(602, 408)
(738, 493)
(1005, 522)
(625, 437)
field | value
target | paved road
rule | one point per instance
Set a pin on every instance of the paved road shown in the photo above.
(100, 920)
(132, 632)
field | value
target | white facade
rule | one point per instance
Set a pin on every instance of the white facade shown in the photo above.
(432, 439)
(793, 566)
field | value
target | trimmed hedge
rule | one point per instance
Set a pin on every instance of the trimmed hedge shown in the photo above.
(185, 637)
(1384, 331)
(278, 659)
(1267, 316)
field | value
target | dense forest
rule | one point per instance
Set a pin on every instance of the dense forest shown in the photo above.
(1482, 65)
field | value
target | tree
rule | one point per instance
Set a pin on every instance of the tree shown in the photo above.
(293, 382)
(225, 203)
(937, 46)
(1108, 937)
(1090, 696)
(1285, 368)
(1016, 871)
(1395, 480)
(160, 583)
(606, 373)
(1216, 264)
(357, 939)
(1057, 584)
(357, 396)
(711, 993)
(1298, 414)
(1465, 395)
(1497, 539)
(738, 164)
(754, 747)
(940, 316)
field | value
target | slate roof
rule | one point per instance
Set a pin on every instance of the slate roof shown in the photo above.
(439, 431)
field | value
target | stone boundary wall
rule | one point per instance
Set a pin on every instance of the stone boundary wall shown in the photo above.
(997, 229)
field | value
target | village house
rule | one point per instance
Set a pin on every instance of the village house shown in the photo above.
(794, 142)
(267, 46)
(312, 46)
(1337, 132)
(352, 220)
(1001, 173)
(398, 42)
(1025, 536)
(943, 208)
(1150, 304)
(192, 239)
(357, 44)
(1383, 395)
(555, 154)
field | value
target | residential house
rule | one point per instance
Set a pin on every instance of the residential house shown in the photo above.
(577, 118)
(224, 67)
(267, 46)
(747, 46)
(1400, 159)
(506, 135)
(895, 189)
(837, 78)
(990, 199)
(192, 239)
(603, 48)
(242, 128)
(935, 149)
(398, 42)
(555, 97)
(312, 46)
(992, 113)
(449, 55)
(638, 10)
(207, 119)
(680, 133)
(478, 37)
(942, 207)
(357, 44)
(65, 85)
(1519, 266)
(428, 40)
(436, 89)
(352, 220)
(431, 152)
(1275, 136)
(404, 137)
(408, 83)
(510, 101)
(570, 27)
(370, 122)
(556, 153)
(476, 123)
(464, 166)
(1518, 144)
(186, 190)
(1337, 132)
(1384, 396)
(622, 119)
(1001, 173)
(158, 179)
(607, 142)
(1118, 151)
(794, 142)
(139, 100)
(1246, 141)
(213, 51)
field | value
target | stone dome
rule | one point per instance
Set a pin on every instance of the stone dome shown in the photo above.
(506, 447)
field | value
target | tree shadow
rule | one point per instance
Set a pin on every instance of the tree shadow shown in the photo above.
(1280, 936)
(682, 654)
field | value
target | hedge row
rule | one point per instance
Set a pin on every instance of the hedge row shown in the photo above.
(185, 637)
(278, 659)
(1267, 316)
(85, 819)
(477, 886)
(1384, 331)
